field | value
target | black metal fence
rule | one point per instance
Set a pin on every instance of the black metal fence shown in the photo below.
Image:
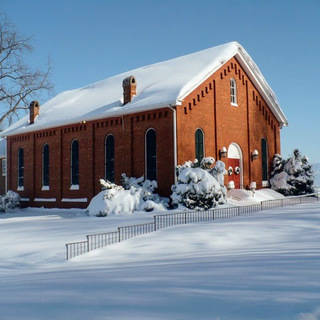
(161, 221)
(75, 249)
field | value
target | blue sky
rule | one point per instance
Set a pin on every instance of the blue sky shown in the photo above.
(91, 40)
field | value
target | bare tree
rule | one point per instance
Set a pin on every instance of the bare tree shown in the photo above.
(19, 83)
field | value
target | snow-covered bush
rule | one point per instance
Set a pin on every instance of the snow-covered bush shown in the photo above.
(136, 194)
(293, 176)
(10, 200)
(147, 185)
(199, 187)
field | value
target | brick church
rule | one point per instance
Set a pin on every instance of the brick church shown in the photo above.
(213, 102)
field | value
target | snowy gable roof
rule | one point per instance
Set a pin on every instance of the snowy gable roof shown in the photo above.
(162, 84)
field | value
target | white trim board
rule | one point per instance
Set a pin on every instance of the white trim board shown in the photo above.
(44, 199)
(74, 199)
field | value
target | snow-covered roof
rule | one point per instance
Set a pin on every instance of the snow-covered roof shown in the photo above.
(162, 84)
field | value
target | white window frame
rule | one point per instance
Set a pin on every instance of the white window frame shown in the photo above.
(233, 92)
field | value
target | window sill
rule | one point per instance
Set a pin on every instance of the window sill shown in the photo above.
(74, 199)
(44, 199)
(74, 187)
(20, 188)
(234, 104)
(45, 188)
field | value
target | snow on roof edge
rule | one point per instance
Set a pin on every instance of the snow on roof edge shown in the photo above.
(261, 82)
(116, 113)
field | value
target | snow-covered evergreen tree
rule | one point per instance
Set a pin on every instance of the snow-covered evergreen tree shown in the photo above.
(279, 177)
(307, 167)
(293, 176)
(199, 186)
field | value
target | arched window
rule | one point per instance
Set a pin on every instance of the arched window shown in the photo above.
(45, 166)
(264, 158)
(20, 168)
(199, 144)
(151, 155)
(109, 158)
(233, 91)
(75, 163)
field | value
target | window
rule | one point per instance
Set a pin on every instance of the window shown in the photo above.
(74, 163)
(264, 158)
(199, 145)
(20, 169)
(4, 167)
(109, 158)
(233, 92)
(151, 155)
(45, 166)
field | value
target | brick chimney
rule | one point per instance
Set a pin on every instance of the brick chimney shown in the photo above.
(129, 86)
(34, 110)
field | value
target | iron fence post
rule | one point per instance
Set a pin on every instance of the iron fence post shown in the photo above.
(88, 247)
(67, 253)
(155, 222)
(119, 239)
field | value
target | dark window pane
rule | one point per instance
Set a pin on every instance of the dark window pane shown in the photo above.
(264, 157)
(75, 162)
(109, 158)
(45, 163)
(199, 145)
(151, 154)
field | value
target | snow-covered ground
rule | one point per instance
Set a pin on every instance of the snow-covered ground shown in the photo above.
(260, 267)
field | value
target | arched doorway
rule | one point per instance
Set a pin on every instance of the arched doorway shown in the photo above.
(235, 165)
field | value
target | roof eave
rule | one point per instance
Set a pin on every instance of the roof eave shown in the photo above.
(118, 113)
(263, 88)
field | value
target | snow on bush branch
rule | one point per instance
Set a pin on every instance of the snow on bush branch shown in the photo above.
(293, 176)
(135, 194)
(200, 186)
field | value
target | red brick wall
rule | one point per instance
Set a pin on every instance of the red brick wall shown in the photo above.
(208, 107)
(129, 134)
